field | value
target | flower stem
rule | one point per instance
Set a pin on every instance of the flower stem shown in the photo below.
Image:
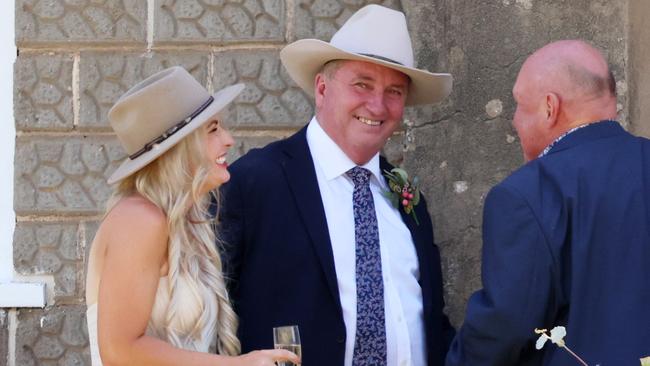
(574, 355)
(415, 216)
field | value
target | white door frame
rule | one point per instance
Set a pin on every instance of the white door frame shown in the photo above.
(12, 294)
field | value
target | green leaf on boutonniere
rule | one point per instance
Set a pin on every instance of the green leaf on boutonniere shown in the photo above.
(402, 192)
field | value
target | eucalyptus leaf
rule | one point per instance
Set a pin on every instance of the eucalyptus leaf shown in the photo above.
(402, 174)
(398, 182)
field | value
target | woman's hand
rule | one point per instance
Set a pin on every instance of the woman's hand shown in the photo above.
(267, 357)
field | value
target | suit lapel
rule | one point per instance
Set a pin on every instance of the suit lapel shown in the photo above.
(408, 219)
(301, 177)
(422, 244)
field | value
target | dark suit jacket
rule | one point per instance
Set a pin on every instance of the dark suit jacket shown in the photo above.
(566, 241)
(280, 262)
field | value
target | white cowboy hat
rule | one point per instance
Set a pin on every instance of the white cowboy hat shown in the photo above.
(155, 114)
(373, 34)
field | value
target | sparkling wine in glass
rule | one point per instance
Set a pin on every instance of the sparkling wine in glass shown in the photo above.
(288, 338)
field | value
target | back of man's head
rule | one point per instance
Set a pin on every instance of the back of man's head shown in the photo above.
(562, 85)
(579, 75)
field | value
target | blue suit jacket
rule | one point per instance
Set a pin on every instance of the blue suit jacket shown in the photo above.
(566, 241)
(280, 262)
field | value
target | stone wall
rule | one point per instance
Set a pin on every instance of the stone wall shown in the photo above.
(76, 58)
(4, 338)
(467, 144)
(639, 67)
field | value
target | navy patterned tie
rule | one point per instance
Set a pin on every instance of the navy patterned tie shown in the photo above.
(370, 340)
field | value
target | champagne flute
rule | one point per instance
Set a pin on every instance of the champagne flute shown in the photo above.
(288, 338)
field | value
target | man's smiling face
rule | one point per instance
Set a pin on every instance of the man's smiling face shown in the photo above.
(360, 105)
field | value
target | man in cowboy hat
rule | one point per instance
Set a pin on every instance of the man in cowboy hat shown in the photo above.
(310, 239)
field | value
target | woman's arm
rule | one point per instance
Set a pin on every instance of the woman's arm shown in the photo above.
(136, 237)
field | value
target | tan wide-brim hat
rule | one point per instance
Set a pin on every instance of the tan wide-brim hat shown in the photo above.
(157, 113)
(373, 34)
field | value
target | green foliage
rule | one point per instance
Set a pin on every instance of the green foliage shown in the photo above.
(402, 192)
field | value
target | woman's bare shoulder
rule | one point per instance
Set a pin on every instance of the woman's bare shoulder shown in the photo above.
(135, 219)
(137, 210)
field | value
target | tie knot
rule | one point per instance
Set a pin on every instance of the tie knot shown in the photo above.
(360, 176)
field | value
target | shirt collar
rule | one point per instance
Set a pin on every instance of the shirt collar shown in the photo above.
(548, 148)
(331, 159)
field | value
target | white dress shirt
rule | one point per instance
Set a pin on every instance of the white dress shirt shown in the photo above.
(405, 337)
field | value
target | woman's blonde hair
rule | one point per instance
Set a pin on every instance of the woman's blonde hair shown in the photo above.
(173, 182)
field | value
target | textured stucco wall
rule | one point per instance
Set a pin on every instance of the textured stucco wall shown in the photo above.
(77, 57)
(464, 146)
(639, 67)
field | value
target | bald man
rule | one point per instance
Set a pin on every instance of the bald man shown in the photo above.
(566, 238)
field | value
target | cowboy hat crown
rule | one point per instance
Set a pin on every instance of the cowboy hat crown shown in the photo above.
(373, 34)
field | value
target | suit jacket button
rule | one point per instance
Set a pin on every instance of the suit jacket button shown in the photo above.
(340, 339)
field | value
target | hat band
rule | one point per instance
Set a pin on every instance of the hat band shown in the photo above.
(381, 58)
(172, 130)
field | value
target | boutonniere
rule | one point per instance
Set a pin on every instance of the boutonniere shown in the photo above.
(403, 192)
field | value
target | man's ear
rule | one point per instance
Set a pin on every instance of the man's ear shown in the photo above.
(552, 104)
(319, 89)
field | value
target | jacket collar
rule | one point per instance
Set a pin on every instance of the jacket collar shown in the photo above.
(594, 131)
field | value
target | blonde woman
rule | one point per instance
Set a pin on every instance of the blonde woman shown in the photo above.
(155, 291)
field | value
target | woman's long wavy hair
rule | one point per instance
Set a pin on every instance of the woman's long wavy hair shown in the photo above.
(173, 182)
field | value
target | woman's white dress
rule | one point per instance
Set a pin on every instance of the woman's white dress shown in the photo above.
(182, 326)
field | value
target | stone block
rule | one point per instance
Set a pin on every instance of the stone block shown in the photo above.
(104, 77)
(220, 22)
(63, 175)
(52, 248)
(65, 22)
(271, 98)
(4, 338)
(245, 143)
(322, 18)
(43, 92)
(52, 336)
(88, 231)
(393, 150)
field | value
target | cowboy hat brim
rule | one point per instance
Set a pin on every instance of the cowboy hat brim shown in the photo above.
(221, 99)
(304, 58)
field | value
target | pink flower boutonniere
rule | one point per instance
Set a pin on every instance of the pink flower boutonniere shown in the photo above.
(403, 192)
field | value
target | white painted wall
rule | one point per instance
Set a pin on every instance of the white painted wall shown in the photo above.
(7, 139)
(13, 294)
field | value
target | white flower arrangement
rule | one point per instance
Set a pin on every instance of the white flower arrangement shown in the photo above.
(557, 337)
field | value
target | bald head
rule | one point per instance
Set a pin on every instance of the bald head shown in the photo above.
(573, 69)
(562, 85)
